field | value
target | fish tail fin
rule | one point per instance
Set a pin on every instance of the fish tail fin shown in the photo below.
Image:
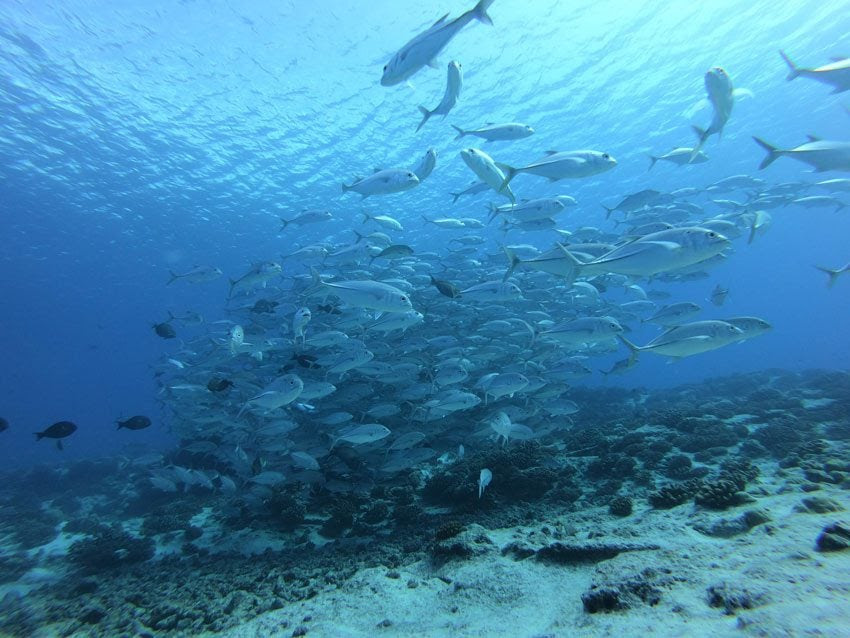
(753, 229)
(513, 262)
(460, 134)
(38, 435)
(773, 152)
(455, 197)
(702, 136)
(426, 219)
(793, 70)
(233, 282)
(574, 262)
(366, 216)
(479, 12)
(832, 273)
(510, 172)
(359, 236)
(315, 277)
(345, 187)
(174, 277)
(608, 211)
(634, 350)
(285, 222)
(425, 115)
(652, 160)
(494, 210)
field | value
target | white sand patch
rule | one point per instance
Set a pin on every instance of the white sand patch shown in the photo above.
(797, 591)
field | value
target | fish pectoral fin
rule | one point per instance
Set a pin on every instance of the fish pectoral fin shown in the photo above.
(550, 152)
(433, 64)
(440, 21)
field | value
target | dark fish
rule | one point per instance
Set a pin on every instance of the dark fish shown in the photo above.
(4, 424)
(306, 361)
(445, 287)
(718, 295)
(57, 431)
(137, 422)
(329, 309)
(264, 306)
(164, 330)
(219, 385)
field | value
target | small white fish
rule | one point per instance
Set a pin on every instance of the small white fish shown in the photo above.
(237, 338)
(484, 479)
(299, 323)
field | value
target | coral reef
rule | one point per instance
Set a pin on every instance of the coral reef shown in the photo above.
(111, 547)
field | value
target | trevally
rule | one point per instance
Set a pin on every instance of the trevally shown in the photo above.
(425, 47)
(454, 84)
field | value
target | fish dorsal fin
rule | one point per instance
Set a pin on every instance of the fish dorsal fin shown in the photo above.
(440, 21)
(552, 152)
(814, 138)
(838, 58)
(377, 169)
(503, 167)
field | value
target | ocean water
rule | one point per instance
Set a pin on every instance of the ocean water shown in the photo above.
(142, 138)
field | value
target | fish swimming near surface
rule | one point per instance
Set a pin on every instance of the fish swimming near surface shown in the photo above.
(423, 49)
(426, 165)
(58, 431)
(454, 84)
(558, 165)
(718, 86)
(488, 171)
(497, 132)
(836, 73)
(822, 155)
(307, 217)
(138, 422)
(383, 182)
(681, 156)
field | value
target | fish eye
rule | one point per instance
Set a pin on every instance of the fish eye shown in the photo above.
(403, 298)
(612, 325)
(385, 67)
(606, 156)
(712, 234)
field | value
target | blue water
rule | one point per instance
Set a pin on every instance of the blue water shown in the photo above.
(138, 139)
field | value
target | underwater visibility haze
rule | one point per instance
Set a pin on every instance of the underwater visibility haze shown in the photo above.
(353, 286)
